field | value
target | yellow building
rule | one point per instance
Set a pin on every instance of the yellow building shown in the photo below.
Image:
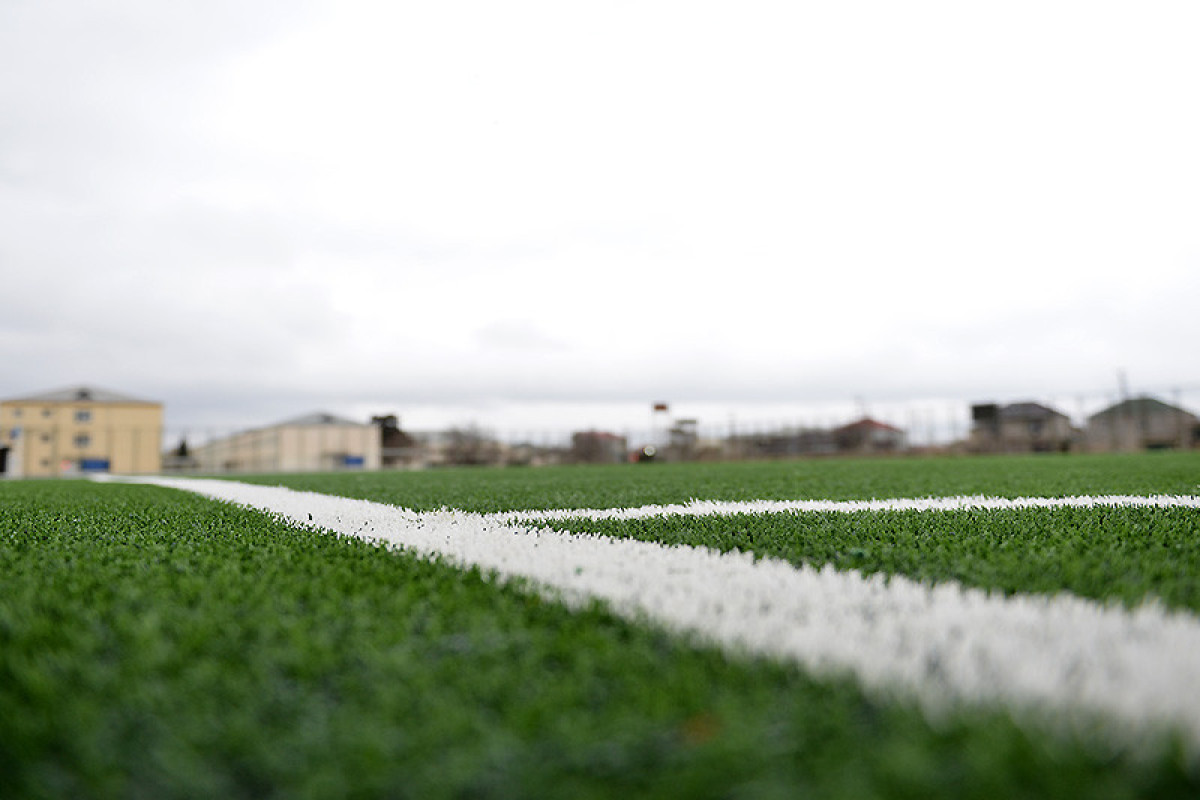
(80, 430)
(313, 443)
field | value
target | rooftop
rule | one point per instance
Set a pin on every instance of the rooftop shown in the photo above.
(79, 394)
(1139, 407)
(866, 423)
(319, 418)
(1028, 411)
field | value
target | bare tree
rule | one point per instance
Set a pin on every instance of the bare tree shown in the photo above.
(471, 446)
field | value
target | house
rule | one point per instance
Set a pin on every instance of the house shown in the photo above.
(1141, 423)
(868, 436)
(80, 429)
(1019, 428)
(317, 442)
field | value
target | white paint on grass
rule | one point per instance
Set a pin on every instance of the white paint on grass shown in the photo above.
(1064, 656)
(703, 508)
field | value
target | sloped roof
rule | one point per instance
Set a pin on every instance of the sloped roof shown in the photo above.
(319, 418)
(866, 423)
(80, 394)
(1028, 411)
(1140, 407)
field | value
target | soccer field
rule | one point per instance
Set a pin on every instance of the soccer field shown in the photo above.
(156, 642)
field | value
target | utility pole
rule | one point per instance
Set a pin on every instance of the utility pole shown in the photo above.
(1127, 410)
(1180, 422)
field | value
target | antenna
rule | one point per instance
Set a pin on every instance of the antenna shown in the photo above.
(1123, 385)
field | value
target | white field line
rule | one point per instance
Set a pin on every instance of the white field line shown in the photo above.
(704, 508)
(1063, 656)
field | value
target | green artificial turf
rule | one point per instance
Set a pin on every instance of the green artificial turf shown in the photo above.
(1106, 553)
(1126, 554)
(155, 644)
(624, 485)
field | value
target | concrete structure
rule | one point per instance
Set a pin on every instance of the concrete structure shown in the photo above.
(1142, 423)
(312, 443)
(79, 430)
(1020, 428)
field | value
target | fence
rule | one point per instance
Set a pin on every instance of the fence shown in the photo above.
(903, 427)
(935, 425)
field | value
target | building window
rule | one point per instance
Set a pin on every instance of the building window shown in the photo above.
(82, 440)
(17, 412)
(45, 437)
(46, 412)
(83, 416)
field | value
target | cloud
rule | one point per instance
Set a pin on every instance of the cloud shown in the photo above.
(478, 205)
(520, 335)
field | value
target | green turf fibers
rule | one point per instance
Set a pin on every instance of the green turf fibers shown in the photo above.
(1126, 554)
(154, 644)
(624, 485)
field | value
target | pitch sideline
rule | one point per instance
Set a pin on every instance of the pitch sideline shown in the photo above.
(1061, 657)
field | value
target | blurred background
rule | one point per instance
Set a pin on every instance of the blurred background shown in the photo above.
(529, 220)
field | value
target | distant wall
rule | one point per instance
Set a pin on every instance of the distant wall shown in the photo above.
(65, 438)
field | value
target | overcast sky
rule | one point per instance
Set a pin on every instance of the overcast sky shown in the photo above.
(555, 213)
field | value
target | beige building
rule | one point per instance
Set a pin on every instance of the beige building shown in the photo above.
(82, 429)
(312, 443)
(1020, 428)
(1142, 423)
